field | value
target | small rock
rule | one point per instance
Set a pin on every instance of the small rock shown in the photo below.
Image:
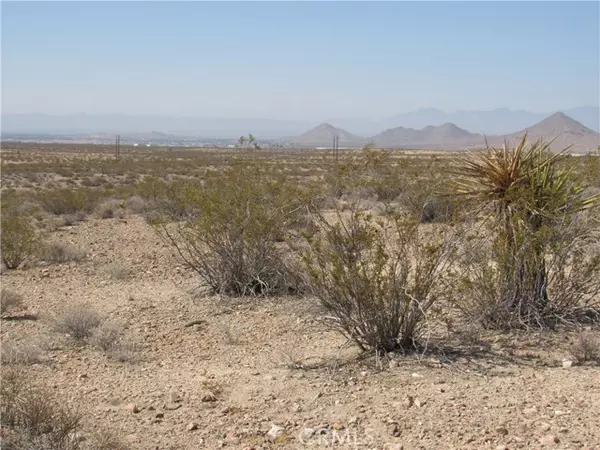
(394, 430)
(501, 447)
(419, 403)
(545, 427)
(276, 433)
(567, 363)
(502, 431)
(353, 420)
(131, 438)
(549, 440)
(82, 375)
(172, 406)
(338, 426)
(305, 434)
(297, 407)
(80, 437)
(159, 415)
(174, 397)
(208, 397)
(408, 401)
(132, 407)
(191, 426)
(416, 375)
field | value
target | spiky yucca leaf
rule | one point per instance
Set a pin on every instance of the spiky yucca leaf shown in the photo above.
(535, 197)
(525, 179)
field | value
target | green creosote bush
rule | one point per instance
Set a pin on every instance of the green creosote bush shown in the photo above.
(19, 239)
(230, 229)
(70, 201)
(377, 277)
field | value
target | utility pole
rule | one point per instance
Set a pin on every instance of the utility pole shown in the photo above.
(336, 146)
(118, 147)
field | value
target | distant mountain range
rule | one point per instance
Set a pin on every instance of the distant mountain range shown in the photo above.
(498, 121)
(322, 136)
(563, 130)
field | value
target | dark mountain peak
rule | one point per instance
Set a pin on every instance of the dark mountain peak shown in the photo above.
(560, 122)
(325, 127)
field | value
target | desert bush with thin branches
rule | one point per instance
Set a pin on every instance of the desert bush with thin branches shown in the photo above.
(539, 264)
(59, 253)
(78, 321)
(585, 349)
(10, 301)
(33, 418)
(377, 277)
(70, 201)
(232, 230)
(19, 239)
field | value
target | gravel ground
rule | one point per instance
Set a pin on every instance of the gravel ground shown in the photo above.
(206, 372)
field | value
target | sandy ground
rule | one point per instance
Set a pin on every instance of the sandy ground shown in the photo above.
(248, 365)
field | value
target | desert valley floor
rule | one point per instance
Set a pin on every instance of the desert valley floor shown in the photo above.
(208, 372)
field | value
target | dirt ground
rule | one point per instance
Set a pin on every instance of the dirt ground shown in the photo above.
(243, 369)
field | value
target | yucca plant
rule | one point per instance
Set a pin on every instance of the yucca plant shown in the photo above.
(532, 196)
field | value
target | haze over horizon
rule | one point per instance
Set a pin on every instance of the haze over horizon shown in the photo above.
(298, 61)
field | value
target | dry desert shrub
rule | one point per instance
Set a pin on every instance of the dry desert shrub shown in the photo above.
(32, 418)
(377, 278)
(10, 301)
(124, 351)
(69, 201)
(585, 349)
(106, 440)
(19, 239)
(22, 353)
(136, 204)
(228, 229)
(78, 321)
(117, 271)
(105, 336)
(110, 338)
(429, 207)
(110, 209)
(58, 253)
(73, 218)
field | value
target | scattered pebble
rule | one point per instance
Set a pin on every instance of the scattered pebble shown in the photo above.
(132, 407)
(276, 433)
(191, 426)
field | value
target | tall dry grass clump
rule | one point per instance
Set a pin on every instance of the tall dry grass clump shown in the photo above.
(32, 418)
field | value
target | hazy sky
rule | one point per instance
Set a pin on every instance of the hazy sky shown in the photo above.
(297, 60)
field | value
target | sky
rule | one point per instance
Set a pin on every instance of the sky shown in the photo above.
(297, 60)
